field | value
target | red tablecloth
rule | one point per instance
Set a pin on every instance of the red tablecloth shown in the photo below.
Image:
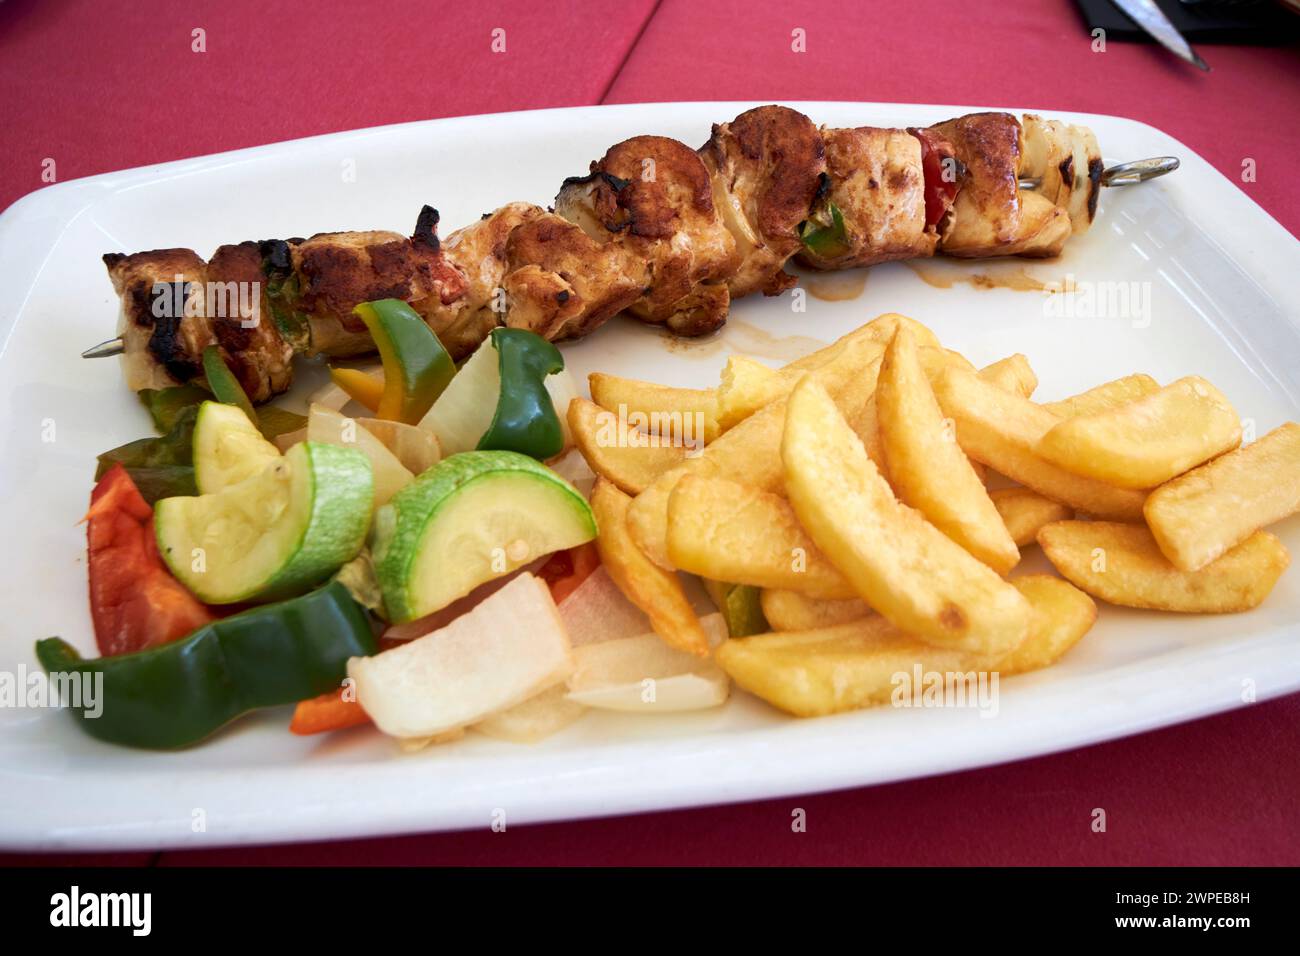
(98, 86)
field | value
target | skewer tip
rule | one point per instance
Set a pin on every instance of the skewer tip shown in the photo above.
(105, 349)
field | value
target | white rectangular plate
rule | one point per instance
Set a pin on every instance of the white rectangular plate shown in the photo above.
(1220, 275)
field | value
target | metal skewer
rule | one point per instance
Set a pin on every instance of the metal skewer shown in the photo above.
(1123, 174)
(105, 349)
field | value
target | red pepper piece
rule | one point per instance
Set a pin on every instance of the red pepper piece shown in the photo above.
(941, 184)
(135, 602)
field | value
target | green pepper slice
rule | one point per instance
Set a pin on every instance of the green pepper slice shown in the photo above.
(161, 466)
(525, 419)
(416, 366)
(177, 694)
(225, 387)
(823, 240)
(282, 290)
(740, 607)
(166, 405)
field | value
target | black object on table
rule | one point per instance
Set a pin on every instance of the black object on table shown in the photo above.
(1246, 22)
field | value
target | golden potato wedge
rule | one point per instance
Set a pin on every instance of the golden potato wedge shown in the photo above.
(1149, 440)
(1061, 615)
(897, 561)
(727, 531)
(1105, 396)
(627, 456)
(1200, 515)
(747, 451)
(750, 452)
(1003, 431)
(747, 385)
(1122, 564)
(879, 330)
(927, 468)
(1024, 511)
(667, 410)
(871, 661)
(793, 611)
(655, 591)
(1011, 374)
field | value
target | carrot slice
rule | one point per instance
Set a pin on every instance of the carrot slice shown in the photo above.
(329, 711)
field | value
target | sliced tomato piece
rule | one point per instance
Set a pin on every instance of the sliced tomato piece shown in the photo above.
(135, 602)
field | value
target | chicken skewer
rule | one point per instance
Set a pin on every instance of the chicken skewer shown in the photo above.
(668, 234)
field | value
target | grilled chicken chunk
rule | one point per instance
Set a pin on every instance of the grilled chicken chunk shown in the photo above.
(478, 252)
(251, 344)
(162, 323)
(653, 196)
(766, 167)
(877, 182)
(992, 214)
(336, 271)
(561, 283)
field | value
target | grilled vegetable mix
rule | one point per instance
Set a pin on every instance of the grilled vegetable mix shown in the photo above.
(232, 506)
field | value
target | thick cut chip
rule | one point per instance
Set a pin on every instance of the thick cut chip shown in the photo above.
(1105, 396)
(1061, 615)
(927, 468)
(751, 452)
(747, 385)
(1024, 512)
(657, 592)
(625, 455)
(1122, 564)
(793, 611)
(665, 410)
(870, 661)
(879, 330)
(1003, 431)
(1011, 374)
(897, 561)
(726, 531)
(1200, 515)
(1149, 440)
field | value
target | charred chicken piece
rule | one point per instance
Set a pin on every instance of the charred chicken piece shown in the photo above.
(253, 347)
(562, 284)
(992, 215)
(766, 166)
(337, 271)
(478, 254)
(162, 323)
(877, 182)
(653, 196)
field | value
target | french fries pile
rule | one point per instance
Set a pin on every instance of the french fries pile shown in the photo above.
(850, 489)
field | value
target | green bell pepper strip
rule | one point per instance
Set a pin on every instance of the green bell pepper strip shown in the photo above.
(166, 405)
(225, 387)
(825, 241)
(416, 366)
(177, 694)
(282, 293)
(161, 467)
(525, 419)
